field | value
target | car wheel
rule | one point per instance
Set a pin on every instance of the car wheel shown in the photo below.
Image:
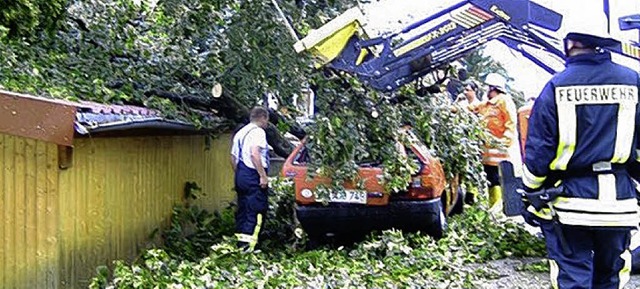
(440, 225)
(458, 207)
(313, 242)
(316, 240)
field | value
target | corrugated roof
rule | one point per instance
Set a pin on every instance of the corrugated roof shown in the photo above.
(56, 120)
(99, 108)
(97, 117)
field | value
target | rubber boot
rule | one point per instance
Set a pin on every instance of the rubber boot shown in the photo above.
(495, 199)
(470, 196)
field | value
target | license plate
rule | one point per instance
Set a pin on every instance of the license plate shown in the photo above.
(348, 196)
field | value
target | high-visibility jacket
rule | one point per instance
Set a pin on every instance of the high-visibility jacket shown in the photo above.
(583, 131)
(523, 124)
(499, 115)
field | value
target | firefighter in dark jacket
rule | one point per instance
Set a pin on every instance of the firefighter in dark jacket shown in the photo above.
(250, 161)
(582, 138)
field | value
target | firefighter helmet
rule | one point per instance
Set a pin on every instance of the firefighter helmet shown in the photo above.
(496, 81)
(589, 28)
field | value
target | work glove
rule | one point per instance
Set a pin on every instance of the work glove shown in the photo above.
(529, 217)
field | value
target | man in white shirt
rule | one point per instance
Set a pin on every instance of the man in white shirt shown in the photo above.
(250, 161)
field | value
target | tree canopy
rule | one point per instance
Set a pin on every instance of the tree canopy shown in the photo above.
(128, 52)
(169, 54)
(23, 18)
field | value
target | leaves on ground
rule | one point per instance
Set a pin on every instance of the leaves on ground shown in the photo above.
(385, 259)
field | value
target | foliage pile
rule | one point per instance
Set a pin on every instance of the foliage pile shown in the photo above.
(361, 126)
(358, 125)
(383, 260)
(354, 128)
(193, 230)
(454, 136)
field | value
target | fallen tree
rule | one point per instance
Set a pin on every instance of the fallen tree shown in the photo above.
(165, 55)
(169, 54)
(230, 108)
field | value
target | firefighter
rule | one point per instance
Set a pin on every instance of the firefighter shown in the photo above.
(523, 122)
(499, 115)
(582, 136)
(250, 161)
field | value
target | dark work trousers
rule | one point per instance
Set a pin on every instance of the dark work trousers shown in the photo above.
(600, 258)
(252, 206)
(492, 175)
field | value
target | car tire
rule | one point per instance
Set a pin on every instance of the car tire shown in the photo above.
(314, 241)
(439, 227)
(458, 207)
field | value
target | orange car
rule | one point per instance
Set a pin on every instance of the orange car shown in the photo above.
(421, 207)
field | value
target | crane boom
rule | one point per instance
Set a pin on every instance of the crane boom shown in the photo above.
(389, 61)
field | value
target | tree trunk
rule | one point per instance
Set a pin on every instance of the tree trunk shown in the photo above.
(230, 108)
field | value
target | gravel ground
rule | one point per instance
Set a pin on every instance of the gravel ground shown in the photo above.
(508, 273)
(508, 277)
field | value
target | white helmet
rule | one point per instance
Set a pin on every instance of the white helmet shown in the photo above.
(589, 27)
(497, 81)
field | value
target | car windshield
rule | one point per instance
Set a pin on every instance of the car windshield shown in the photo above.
(369, 163)
(415, 159)
(303, 157)
(416, 143)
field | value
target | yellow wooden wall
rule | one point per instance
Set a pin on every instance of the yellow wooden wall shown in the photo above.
(59, 225)
(28, 213)
(120, 190)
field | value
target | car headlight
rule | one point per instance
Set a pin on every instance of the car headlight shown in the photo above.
(306, 193)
